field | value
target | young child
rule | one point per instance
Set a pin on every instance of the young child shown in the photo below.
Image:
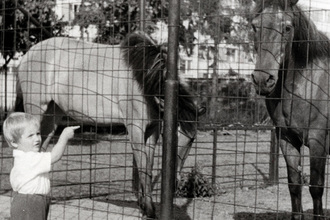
(29, 177)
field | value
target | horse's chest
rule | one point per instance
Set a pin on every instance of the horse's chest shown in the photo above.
(296, 114)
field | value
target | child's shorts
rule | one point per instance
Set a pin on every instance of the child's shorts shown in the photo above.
(29, 206)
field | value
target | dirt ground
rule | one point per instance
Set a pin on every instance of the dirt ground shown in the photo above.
(102, 171)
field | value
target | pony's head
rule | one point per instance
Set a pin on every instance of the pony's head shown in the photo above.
(285, 38)
(274, 30)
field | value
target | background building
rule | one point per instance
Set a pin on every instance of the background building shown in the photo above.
(199, 65)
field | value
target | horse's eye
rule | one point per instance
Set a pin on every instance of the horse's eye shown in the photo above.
(288, 28)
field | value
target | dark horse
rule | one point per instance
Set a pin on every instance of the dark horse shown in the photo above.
(104, 85)
(292, 71)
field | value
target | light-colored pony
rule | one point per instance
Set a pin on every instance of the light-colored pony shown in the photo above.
(105, 84)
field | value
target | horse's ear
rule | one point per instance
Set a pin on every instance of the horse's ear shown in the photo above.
(293, 2)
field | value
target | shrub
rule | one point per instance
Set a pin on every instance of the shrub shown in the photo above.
(194, 184)
(236, 103)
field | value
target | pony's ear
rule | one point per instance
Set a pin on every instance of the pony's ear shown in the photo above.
(293, 2)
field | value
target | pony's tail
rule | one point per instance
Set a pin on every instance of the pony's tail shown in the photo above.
(148, 62)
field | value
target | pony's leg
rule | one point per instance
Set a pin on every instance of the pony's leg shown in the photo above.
(152, 134)
(318, 156)
(50, 120)
(143, 152)
(19, 104)
(36, 108)
(184, 147)
(135, 177)
(293, 162)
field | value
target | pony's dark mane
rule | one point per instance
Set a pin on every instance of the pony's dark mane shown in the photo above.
(309, 43)
(148, 62)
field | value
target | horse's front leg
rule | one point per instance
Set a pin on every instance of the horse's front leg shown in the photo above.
(143, 153)
(293, 162)
(184, 146)
(318, 154)
(47, 114)
(50, 120)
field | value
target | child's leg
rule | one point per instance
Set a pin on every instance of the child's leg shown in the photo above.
(29, 207)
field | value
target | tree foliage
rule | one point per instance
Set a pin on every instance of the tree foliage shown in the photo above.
(219, 20)
(115, 19)
(213, 17)
(26, 22)
(216, 19)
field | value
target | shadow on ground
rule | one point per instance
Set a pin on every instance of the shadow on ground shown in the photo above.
(90, 135)
(180, 212)
(308, 215)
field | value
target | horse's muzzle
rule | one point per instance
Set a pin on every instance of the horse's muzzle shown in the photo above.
(263, 82)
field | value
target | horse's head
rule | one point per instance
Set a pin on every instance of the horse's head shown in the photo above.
(186, 136)
(273, 34)
(188, 131)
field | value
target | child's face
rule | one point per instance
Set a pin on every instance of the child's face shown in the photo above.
(30, 139)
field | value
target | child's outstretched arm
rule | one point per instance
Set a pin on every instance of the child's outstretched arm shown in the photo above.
(58, 149)
(47, 140)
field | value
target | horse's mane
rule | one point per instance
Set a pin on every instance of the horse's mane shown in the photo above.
(309, 43)
(148, 62)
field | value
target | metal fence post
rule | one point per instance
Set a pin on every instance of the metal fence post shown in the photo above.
(274, 159)
(170, 140)
(214, 156)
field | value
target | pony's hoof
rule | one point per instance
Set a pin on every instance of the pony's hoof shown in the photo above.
(148, 215)
(297, 217)
(148, 209)
(144, 217)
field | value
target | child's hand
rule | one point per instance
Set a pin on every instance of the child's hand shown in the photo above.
(59, 147)
(68, 132)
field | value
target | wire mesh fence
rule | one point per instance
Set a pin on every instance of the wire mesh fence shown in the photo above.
(101, 171)
(234, 169)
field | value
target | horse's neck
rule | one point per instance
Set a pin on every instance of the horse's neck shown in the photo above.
(284, 78)
(289, 74)
(279, 101)
(277, 93)
(295, 78)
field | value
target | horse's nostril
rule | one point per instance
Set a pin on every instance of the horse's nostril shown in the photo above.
(253, 79)
(270, 80)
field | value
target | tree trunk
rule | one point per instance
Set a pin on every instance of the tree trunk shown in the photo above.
(81, 32)
(215, 78)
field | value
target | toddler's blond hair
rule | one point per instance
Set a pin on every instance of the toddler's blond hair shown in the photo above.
(14, 125)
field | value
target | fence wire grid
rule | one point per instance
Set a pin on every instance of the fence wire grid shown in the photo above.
(235, 168)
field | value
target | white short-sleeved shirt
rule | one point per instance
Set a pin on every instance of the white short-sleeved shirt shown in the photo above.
(30, 174)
